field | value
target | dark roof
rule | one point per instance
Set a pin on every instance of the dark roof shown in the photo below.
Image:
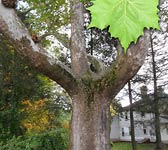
(147, 105)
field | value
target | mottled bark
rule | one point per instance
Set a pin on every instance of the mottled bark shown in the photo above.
(78, 51)
(126, 65)
(90, 128)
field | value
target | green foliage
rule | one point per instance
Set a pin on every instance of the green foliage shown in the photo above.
(18, 82)
(51, 140)
(126, 18)
(45, 17)
(4, 133)
(21, 84)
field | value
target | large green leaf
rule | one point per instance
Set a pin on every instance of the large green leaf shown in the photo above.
(126, 18)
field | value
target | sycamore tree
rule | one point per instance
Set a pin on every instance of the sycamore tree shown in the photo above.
(89, 83)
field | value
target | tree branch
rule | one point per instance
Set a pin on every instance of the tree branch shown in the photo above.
(62, 38)
(78, 46)
(18, 36)
(126, 65)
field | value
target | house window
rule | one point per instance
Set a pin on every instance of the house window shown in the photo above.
(126, 116)
(144, 131)
(152, 132)
(123, 132)
(142, 114)
(121, 115)
(129, 130)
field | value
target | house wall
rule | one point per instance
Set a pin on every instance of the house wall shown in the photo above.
(115, 129)
(144, 128)
(125, 128)
(164, 133)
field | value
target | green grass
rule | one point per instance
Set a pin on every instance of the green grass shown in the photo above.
(127, 146)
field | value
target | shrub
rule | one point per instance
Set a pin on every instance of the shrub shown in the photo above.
(51, 140)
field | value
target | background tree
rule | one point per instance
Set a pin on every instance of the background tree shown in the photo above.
(131, 118)
(156, 102)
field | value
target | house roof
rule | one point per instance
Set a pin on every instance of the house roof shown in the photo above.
(147, 104)
(164, 119)
(141, 105)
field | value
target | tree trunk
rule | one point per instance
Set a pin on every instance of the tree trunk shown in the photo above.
(131, 118)
(90, 126)
(156, 101)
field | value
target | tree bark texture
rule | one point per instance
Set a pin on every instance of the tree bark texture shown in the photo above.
(90, 128)
(91, 92)
(78, 51)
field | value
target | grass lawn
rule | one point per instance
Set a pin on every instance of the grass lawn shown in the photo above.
(127, 146)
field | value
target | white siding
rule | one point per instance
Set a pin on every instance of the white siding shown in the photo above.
(144, 128)
(164, 134)
(115, 129)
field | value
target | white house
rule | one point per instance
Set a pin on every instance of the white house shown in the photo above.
(144, 127)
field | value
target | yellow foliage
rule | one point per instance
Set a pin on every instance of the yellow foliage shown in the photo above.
(65, 124)
(27, 103)
(37, 117)
(112, 111)
(9, 90)
(7, 79)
